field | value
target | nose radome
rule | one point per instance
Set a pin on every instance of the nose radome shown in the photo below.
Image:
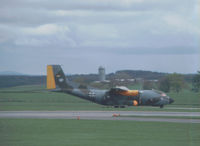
(171, 100)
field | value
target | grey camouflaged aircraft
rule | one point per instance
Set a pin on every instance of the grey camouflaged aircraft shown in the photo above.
(117, 97)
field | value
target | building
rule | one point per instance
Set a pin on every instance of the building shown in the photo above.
(102, 74)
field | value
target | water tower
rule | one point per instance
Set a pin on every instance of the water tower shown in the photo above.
(102, 74)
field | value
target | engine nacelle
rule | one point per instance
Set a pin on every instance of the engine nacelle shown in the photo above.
(135, 103)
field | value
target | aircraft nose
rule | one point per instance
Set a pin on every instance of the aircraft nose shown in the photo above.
(171, 100)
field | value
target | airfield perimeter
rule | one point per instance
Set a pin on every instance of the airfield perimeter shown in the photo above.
(105, 115)
(35, 102)
(29, 115)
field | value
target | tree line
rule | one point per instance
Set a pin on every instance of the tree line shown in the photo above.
(173, 82)
(166, 82)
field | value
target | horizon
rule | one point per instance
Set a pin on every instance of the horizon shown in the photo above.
(14, 73)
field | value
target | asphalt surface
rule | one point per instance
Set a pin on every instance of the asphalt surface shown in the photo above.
(106, 115)
(183, 108)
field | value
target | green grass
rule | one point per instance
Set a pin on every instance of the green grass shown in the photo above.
(19, 98)
(25, 88)
(45, 132)
(186, 97)
(137, 86)
(43, 101)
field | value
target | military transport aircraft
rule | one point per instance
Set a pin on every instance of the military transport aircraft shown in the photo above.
(119, 96)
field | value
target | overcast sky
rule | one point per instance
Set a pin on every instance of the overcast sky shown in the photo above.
(81, 35)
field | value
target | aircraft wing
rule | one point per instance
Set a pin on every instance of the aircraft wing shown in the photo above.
(118, 89)
(121, 90)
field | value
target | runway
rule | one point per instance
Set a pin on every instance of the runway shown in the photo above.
(106, 115)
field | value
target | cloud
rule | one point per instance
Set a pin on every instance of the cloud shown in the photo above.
(180, 23)
(88, 4)
(46, 29)
(93, 27)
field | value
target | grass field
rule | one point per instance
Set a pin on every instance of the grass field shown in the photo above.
(36, 98)
(32, 132)
(63, 132)
(186, 97)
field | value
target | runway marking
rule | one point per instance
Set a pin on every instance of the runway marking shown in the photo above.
(104, 115)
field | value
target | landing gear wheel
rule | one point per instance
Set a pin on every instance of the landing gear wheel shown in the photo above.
(161, 106)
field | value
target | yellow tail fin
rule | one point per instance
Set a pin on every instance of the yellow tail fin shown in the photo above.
(50, 78)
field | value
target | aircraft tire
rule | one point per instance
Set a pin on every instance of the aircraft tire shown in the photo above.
(161, 106)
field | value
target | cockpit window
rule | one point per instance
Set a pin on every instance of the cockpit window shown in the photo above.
(163, 94)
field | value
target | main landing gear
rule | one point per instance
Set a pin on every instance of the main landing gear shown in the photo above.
(119, 106)
(161, 106)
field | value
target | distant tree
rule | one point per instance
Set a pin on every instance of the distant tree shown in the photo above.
(171, 82)
(80, 79)
(196, 82)
(176, 81)
(122, 75)
(147, 85)
(164, 84)
(119, 79)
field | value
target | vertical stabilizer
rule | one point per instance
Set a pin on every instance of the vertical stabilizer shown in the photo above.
(50, 78)
(56, 78)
